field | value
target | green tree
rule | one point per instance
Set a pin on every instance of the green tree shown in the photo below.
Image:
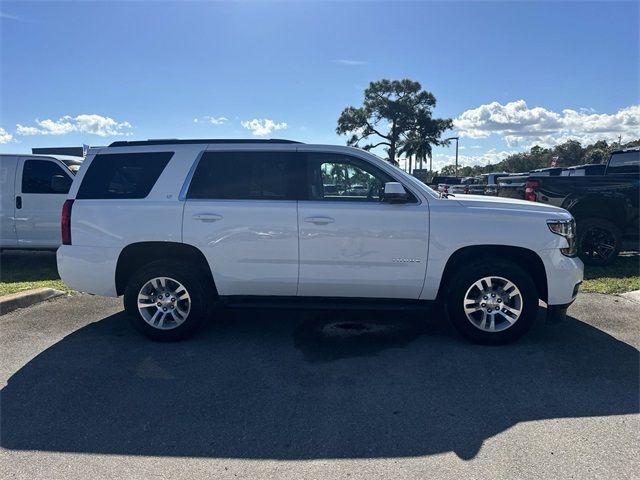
(448, 170)
(569, 153)
(392, 111)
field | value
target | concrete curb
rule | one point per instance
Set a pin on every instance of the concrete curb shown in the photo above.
(11, 302)
(633, 296)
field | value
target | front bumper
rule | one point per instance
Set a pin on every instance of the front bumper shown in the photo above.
(564, 275)
(558, 313)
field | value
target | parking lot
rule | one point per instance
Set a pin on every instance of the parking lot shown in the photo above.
(317, 394)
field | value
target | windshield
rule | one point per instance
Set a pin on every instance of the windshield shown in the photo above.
(72, 165)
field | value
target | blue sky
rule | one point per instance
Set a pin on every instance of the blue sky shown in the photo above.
(510, 73)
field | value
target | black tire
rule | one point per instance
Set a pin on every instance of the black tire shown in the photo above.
(462, 281)
(193, 281)
(599, 241)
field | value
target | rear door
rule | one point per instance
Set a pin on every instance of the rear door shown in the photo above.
(8, 166)
(241, 212)
(38, 206)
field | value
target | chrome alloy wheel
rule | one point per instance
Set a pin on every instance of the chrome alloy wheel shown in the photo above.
(164, 303)
(493, 304)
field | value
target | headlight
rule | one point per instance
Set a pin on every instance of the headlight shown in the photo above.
(567, 229)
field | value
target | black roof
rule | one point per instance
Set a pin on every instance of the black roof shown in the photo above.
(175, 141)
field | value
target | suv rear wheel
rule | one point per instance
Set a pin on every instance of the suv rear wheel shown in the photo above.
(166, 301)
(492, 302)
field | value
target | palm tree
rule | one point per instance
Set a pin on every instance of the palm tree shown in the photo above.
(426, 132)
(418, 146)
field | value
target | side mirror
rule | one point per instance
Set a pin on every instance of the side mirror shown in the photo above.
(394, 192)
(60, 183)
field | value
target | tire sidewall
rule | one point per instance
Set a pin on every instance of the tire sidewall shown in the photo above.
(467, 276)
(584, 226)
(191, 280)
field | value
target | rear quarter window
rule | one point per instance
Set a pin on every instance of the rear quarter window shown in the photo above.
(123, 175)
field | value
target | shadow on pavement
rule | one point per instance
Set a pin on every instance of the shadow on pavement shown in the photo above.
(292, 385)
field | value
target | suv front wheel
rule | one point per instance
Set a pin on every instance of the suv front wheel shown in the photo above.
(493, 301)
(166, 301)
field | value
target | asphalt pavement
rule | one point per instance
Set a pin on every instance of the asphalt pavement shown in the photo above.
(317, 394)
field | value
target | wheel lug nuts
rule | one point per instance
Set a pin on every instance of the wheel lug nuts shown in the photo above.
(489, 310)
(172, 307)
(173, 299)
(164, 309)
(485, 297)
(483, 304)
(159, 304)
(499, 300)
(493, 294)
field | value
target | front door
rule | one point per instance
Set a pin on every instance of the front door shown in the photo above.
(241, 212)
(352, 243)
(38, 206)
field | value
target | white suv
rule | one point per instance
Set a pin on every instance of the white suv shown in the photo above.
(178, 226)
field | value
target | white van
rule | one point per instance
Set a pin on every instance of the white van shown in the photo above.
(32, 191)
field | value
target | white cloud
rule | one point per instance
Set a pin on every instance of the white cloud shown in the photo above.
(491, 156)
(216, 120)
(9, 16)
(263, 126)
(351, 63)
(85, 123)
(520, 125)
(5, 137)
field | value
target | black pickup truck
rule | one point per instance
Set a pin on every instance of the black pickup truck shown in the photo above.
(605, 206)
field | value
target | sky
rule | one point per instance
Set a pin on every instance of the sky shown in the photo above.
(510, 74)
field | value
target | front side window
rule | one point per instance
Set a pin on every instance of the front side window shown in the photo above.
(37, 176)
(343, 178)
(245, 176)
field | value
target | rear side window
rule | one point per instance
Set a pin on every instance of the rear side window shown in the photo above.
(37, 176)
(626, 162)
(123, 175)
(246, 176)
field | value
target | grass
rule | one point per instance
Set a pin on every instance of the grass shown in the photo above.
(25, 270)
(20, 270)
(622, 276)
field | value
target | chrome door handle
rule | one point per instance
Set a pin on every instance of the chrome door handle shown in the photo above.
(319, 220)
(207, 217)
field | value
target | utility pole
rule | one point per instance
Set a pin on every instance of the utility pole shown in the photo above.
(456, 139)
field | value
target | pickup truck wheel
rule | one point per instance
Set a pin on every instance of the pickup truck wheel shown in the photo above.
(492, 302)
(599, 241)
(166, 301)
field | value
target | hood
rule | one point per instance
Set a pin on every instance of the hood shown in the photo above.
(511, 204)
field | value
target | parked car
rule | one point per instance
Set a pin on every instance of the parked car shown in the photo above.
(490, 181)
(605, 206)
(180, 226)
(33, 189)
(469, 186)
(443, 183)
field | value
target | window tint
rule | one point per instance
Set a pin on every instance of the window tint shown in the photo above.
(626, 162)
(123, 175)
(340, 177)
(245, 175)
(37, 175)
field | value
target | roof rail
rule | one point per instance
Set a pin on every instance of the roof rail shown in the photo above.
(175, 141)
